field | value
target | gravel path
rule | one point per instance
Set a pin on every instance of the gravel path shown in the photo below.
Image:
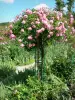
(22, 68)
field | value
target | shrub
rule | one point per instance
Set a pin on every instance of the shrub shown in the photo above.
(6, 70)
(4, 92)
(52, 89)
(60, 58)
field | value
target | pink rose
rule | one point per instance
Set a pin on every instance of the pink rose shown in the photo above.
(42, 29)
(33, 44)
(37, 19)
(49, 36)
(10, 32)
(28, 11)
(25, 16)
(73, 30)
(30, 37)
(57, 34)
(37, 22)
(22, 30)
(29, 28)
(57, 18)
(71, 16)
(1, 38)
(12, 36)
(51, 33)
(23, 22)
(30, 45)
(33, 26)
(60, 14)
(32, 23)
(44, 22)
(49, 27)
(60, 34)
(39, 31)
(71, 20)
(51, 21)
(22, 45)
(19, 40)
(11, 26)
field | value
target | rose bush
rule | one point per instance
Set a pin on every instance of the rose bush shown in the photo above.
(35, 27)
(32, 25)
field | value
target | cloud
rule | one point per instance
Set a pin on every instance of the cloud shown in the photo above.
(65, 9)
(41, 6)
(7, 1)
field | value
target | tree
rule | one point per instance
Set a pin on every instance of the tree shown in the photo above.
(59, 5)
(34, 28)
(70, 4)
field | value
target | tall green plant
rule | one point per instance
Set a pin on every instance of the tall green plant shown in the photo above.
(60, 60)
(70, 4)
(59, 5)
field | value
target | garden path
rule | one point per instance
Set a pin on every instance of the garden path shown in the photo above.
(22, 68)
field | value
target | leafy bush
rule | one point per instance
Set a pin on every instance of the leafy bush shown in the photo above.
(6, 70)
(21, 77)
(4, 92)
(12, 53)
(52, 89)
(60, 58)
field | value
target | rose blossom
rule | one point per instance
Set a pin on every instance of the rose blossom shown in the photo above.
(51, 33)
(29, 28)
(10, 31)
(57, 17)
(30, 45)
(19, 40)
(25, 16)
(1, 38)
(28, 11)
(22, 45)
(39, 31)
(71, 20)
(60, 14)
(49, 27)
(30, 37)
(42, 29)
(33, 26)
(12, 36)
(49, 36)
(60, 34)
(33, 44)
(11, 26)
(22, 30)
(57, 34)
(23, 22)
(51, 21)
(73, 30)
(37, 22)
(44, 22)
(32, 23)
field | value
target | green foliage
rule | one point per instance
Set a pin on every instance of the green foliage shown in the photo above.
(60, 59)
(59, 5)
(52, 89)
(6, 70)
(70, 4)
(13, 54)
(21, 77)
(4, 92)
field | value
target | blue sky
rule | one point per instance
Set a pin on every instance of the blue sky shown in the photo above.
(10, 8)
